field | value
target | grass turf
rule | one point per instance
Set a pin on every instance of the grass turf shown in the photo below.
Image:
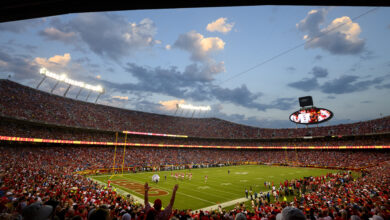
(220, 187)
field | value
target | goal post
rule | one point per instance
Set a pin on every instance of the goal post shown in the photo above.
(124, 153)
(114, 170)
(113, 166)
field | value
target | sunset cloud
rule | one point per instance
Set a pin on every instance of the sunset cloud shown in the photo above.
(341, 36)
(220, 25)
(170, 104)
(55, 62)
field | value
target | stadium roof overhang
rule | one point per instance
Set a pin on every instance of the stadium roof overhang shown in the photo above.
(12, 10)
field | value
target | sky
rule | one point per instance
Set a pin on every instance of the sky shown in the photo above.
(249, 63)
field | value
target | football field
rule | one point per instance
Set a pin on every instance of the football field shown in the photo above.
(223, 185)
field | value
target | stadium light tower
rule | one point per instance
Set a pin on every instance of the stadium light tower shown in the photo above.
(90, 91)
(43, 79)
(66, 91)
(81, 88)
(101, 93)
(64, 78)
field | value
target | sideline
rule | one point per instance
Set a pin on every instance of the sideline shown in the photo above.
(226, 204)
(223, 205)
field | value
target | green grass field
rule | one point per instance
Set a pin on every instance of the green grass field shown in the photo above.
(221, 187)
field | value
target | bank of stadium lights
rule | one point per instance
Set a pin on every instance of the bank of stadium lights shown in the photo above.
(192, 108)
(64, 78)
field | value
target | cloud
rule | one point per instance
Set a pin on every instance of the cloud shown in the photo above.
(181, 85)
(341, 36)
(254, 121)
(107, 35)
(54, 63)
(201, 50)
(204, 73)
(239, 95)
(26, 69)
(348, 84)
(318, 57)
(199, 46)
(20, 26)
(291, 68)
(341, 85)
(21, 68)
(220, 25)
(283, 103)
(312, 22)
(384, 86)
(52, 33)
(306, 84)
(146, 105)
(120, 97)
(110, 101)
(170, 104)
(167, 81)
(319, 72)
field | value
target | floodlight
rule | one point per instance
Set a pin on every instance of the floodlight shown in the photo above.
(64, 78)
(192, 107)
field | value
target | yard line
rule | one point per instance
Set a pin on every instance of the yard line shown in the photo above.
(210, 181)
(193, 190)
(233, 184)
(213, 187)
(208, 208)
(178, 192)
(124, 193)
(232, 189)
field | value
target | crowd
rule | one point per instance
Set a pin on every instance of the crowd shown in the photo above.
(21, 128)
(23, 102)
(92, 158)
(332, 196)
(46, 175)
(43, 178)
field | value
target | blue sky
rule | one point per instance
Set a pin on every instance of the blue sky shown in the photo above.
(250, 64)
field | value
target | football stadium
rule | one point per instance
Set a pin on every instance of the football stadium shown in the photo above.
(65, 157)
(50, 154)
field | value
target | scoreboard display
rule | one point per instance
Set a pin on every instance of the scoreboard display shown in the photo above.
(311, 116)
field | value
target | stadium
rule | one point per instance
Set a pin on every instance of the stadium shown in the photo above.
(67, 158)
(64, 157)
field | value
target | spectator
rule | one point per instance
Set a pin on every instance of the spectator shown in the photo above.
(155, 212)
(37, 211)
